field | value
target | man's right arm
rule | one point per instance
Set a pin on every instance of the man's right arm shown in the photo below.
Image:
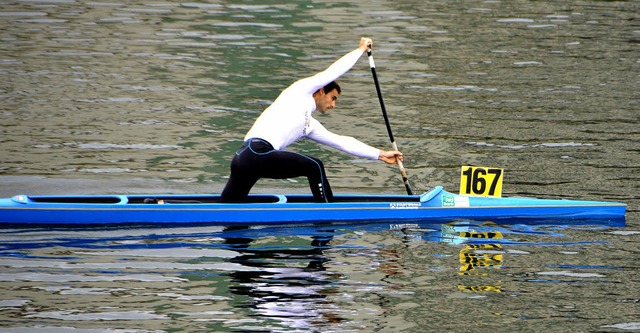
(337, 69)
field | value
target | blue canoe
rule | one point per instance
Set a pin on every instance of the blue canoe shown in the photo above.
(436, 204)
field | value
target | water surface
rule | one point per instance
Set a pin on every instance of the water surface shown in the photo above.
(110, 97)
(373, 277)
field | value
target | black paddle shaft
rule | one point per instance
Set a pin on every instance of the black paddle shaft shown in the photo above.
(384, 109)
(403, 172)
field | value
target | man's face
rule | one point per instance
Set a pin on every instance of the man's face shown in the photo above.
(326, 101)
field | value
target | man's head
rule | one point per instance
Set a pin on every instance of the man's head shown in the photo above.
(326, 97)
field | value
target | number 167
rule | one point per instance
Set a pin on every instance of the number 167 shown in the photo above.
(481, 181)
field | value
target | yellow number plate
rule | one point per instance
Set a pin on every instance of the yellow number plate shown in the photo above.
(481, 181)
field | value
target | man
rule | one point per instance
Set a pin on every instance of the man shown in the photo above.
(287, 120)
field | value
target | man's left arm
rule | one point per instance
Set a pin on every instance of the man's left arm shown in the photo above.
(347, 144)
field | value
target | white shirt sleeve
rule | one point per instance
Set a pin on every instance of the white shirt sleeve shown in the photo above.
(337, 69)
(283, 122)
(344, 143)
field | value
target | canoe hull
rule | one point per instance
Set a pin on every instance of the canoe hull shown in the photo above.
(436, 204)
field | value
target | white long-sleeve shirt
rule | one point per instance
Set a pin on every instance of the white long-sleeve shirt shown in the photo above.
(289, 118)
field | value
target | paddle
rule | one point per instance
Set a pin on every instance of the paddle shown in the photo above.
(403, 172)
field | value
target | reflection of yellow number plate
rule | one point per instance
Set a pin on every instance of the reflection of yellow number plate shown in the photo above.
(481, 181)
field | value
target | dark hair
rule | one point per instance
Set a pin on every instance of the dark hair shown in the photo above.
(331, 86)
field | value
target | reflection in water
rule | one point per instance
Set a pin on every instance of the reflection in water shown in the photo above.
(476, 257)
(297, 278)
(293, 295)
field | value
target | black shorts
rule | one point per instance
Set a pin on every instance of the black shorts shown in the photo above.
(257, 159)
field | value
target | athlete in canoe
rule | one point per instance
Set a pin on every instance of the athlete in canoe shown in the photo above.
(263, 153)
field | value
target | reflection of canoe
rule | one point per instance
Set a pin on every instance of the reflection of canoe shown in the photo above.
(435, 204)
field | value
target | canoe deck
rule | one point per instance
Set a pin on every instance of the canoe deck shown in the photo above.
(208, 199)
(436, 204)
